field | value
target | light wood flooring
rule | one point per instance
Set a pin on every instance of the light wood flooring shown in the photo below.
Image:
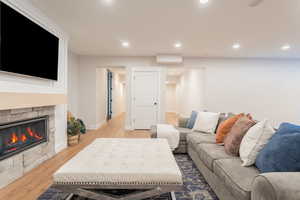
(35, 182)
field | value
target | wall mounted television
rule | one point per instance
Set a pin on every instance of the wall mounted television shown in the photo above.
(25, 47)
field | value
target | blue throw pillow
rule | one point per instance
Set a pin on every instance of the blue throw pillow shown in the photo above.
(281, 154)
(286, 128)
(191, 122)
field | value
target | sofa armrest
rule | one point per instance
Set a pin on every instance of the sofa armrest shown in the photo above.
(276, 186)
(182, 122)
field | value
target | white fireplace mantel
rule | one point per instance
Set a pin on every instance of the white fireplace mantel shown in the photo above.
(11, 100)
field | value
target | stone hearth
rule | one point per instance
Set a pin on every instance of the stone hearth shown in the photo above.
(17, 165)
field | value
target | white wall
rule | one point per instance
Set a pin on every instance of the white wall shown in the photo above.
(73, 83)
(171, 101)
(92, 98)
(87, 97)
(190, 91)
(16, 83)
(265, 87)
(101, 95)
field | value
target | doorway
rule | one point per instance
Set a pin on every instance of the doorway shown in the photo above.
(116, 91)
(109, 95)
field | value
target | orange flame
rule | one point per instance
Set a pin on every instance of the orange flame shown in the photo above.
(23, 137)
(38, 137)
(33, 134)
(13, 138)
(30, 132)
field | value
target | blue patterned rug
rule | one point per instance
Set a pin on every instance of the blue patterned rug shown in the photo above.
(195, 186)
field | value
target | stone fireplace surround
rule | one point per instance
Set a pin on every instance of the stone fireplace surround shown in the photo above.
(17, 165)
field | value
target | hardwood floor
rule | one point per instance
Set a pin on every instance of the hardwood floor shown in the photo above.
(35, 182)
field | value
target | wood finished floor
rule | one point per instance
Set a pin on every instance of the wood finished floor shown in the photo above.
(35, 182)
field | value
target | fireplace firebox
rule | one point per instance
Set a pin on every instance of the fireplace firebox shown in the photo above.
(18, 136)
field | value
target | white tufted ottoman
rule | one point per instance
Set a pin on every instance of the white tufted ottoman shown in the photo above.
(124, 169)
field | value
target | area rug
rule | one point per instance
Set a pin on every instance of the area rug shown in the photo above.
(194, 186)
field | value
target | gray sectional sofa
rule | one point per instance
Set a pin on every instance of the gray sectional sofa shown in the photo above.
(226, 176)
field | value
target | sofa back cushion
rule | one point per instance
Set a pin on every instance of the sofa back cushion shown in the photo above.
(191, 122)
(281, 154)
(234, 137)
(206, 122)
(254, 141)
(225, 127)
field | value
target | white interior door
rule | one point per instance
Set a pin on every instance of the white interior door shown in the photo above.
(145, 99)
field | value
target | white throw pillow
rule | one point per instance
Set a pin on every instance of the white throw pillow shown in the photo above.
(206, 122)
(254, 141)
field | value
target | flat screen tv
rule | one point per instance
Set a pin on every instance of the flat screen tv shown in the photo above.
(25, 47)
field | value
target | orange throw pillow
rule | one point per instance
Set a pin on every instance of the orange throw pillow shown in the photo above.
(225, 127)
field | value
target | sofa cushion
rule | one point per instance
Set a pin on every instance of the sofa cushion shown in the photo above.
(281, 154)
(286, 128)
(195, 138)
(183, 132)
(234, 138)
(225, 127)
(208, 153)
(237, 179)
(206, 122)
(192, 119)
(223, 117)
(254, 141)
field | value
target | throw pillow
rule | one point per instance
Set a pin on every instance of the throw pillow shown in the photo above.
(206, 122)
(286, 128)
(192, 120)
(281, 154)
(225, 127)
(223, 117)
(234, 137)
(254, 141)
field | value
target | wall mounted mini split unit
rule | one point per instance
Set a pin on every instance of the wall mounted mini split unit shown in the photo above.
(169, 59)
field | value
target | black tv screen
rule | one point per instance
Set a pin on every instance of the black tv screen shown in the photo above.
(26, 48)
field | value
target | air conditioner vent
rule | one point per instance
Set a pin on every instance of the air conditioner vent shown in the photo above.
(169, 59)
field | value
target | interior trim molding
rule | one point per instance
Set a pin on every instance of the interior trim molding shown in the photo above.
(11, 100)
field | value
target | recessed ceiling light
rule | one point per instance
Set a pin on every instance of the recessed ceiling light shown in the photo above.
(236, 46)
(285, 47)
(108, 2)
(125, 44)
(177, 45)
(204, 1)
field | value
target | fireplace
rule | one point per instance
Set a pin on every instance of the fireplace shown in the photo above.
(18, 136)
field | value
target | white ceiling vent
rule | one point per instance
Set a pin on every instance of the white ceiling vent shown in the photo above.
(169, 59)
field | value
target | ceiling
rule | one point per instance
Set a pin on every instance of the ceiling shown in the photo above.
(97, 27)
